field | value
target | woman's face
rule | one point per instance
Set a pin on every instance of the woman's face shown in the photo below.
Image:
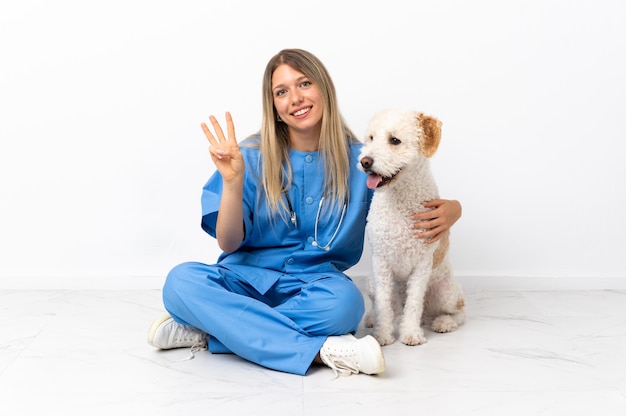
(297, 100)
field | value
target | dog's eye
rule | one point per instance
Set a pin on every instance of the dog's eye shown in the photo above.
(371, 138)
(394, 141)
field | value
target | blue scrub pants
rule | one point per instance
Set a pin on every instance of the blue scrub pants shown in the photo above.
(282, 329)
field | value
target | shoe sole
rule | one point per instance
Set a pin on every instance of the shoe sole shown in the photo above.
(154, 328)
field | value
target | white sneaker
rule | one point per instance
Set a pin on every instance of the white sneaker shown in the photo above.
(347, 355)
(166, 334)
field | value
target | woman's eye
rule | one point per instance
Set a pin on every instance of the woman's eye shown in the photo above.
(305, 83)
(280, 92)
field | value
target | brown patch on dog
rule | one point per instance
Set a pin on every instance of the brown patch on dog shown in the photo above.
(440, 254)
(429, 142)
(460, 304)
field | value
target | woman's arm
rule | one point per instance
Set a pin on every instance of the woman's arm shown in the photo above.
(227, 157)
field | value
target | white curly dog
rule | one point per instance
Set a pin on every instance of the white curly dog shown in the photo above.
(411, 280)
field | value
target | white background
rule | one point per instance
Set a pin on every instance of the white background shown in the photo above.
(102, 159)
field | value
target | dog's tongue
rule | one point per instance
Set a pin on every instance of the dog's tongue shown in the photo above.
(373, 180)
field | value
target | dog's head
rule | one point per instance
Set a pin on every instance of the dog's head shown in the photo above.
(396, 141)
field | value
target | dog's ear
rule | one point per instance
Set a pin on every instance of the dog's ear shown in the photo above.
(431, 136)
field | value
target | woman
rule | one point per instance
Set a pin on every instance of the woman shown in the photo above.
(288, 208)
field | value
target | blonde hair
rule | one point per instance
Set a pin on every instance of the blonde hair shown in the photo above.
(335, 136)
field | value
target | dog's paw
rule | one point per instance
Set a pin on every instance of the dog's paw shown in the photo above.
(384, 338)
(413, 339)
(444, 323)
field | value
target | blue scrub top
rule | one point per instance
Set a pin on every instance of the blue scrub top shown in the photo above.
(273, 246)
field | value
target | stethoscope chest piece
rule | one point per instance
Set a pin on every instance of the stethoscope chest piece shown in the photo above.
(315, 242)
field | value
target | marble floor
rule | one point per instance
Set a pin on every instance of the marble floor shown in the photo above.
(66, 352)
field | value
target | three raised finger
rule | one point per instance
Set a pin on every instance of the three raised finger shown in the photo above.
(213, 140)
(208, 134)
(230, 127)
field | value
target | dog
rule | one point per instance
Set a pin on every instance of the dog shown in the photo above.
(412, 282)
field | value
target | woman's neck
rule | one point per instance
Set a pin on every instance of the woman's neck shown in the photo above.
(304, 141)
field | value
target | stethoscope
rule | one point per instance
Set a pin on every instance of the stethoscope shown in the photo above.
(315, 242)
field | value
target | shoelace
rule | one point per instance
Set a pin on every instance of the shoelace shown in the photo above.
(197, 347)
(338, 364)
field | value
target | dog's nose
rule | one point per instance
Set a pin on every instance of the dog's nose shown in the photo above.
(367, 162)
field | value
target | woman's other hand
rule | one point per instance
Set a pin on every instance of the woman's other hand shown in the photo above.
(435, 221)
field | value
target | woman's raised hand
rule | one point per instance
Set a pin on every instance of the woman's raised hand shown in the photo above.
(224, 150)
